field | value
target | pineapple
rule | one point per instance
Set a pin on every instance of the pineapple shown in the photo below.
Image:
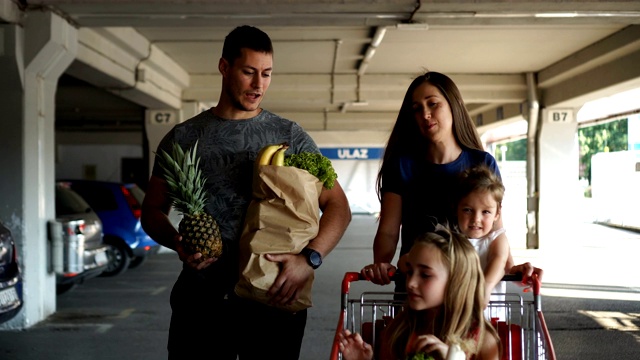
(199, 230)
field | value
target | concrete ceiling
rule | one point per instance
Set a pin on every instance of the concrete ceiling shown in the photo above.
(323, 78)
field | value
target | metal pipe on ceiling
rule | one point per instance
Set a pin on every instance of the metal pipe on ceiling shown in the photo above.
(333, 69)
(371, 50)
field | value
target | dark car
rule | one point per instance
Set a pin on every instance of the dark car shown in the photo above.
(119, 207)
(77, 240)
(10, 277)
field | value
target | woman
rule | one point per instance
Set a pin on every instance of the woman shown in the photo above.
(432, 142)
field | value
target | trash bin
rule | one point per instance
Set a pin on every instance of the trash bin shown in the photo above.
(67, 246)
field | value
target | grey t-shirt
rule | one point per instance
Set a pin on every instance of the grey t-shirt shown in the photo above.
(228, 149)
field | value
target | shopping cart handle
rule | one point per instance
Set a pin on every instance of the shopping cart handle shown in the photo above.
(394, 276)
(352, 276)
(512, 277)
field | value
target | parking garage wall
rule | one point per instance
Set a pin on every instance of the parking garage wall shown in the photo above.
(95, 162)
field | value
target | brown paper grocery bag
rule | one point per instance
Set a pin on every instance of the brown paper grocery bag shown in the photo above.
(281, 219)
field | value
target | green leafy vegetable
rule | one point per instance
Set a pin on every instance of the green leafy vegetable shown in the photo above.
(316, 164)
(420, 356)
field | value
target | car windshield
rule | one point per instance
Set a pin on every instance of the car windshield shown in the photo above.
(68, 202)
(98, 196)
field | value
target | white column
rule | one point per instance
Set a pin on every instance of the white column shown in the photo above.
(558, 151)
(40, 53)
(159, 121)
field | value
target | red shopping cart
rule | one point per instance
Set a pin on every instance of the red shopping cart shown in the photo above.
(519, 322)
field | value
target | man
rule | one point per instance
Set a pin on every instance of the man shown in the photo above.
(208, 320)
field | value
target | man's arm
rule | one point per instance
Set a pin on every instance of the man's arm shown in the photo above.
(155, 211)
(336, 216)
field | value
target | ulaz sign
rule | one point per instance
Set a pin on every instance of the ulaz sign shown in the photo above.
(352, 153)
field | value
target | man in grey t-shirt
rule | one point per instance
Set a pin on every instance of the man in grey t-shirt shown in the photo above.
(208, 320)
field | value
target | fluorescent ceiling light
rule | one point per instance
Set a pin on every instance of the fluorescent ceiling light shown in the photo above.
(556, 15)
(412, 26)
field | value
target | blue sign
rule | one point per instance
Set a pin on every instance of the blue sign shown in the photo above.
(355, 153)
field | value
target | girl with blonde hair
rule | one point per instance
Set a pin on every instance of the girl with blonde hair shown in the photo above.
(444, 305)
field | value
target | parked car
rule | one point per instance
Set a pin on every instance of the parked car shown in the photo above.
(10, 277)
(119, 206)
(77, 240)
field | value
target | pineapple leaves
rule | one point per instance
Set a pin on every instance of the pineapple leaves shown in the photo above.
(184, 179)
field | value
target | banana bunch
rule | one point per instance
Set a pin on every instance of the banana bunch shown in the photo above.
(272, 154)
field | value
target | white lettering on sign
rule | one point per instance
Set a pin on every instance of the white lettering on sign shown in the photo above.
(560, 116)
(353, 153)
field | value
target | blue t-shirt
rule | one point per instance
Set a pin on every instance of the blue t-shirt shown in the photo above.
(428, 190)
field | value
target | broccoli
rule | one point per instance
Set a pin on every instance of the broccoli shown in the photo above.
(420, 356)
(316, 164)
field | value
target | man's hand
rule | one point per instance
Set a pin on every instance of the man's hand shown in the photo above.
(192, 260)
(294, 273)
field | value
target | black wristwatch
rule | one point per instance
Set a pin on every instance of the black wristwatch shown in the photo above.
(314, 259)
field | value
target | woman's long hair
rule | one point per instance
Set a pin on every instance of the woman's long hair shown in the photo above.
(460, 317)
(406, 137)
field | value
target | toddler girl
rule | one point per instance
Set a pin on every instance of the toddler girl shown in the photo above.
(479, 203)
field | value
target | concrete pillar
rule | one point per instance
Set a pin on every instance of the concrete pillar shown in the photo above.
(159, 121)
(33, 59)
(558, 161)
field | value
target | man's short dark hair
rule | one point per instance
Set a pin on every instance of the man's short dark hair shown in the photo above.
(245, 37)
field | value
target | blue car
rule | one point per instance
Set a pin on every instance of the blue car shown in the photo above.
(119, 206)
(10, 277)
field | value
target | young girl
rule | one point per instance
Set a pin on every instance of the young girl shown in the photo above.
(479, 203)
(445, 294)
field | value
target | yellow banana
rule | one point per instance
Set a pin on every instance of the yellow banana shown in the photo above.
(278, 157)
(266, 153)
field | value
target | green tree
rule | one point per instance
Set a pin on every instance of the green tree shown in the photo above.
(593, 139)
(516, 150)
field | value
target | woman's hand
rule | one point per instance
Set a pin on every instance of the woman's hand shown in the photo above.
(527, 270)
(431, 345)
(378, 273)
(353, 347)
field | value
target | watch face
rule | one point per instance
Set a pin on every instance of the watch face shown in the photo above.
(315, 259)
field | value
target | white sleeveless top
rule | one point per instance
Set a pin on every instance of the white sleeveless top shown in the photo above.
(497, 308)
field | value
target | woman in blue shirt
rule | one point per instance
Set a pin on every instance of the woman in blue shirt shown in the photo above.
(432, 142)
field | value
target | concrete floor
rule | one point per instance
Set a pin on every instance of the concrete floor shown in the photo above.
(127, 317)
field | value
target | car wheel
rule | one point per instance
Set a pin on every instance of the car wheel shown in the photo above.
(137, 261)
(118, 258)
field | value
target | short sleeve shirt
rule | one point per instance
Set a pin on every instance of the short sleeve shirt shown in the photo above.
(428, 190)
(227, 151)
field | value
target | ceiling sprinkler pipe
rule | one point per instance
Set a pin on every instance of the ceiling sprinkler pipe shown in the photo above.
(371, 50)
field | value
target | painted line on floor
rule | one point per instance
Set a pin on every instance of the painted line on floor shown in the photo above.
(159, 290)
(100, 327)
(124, 314)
